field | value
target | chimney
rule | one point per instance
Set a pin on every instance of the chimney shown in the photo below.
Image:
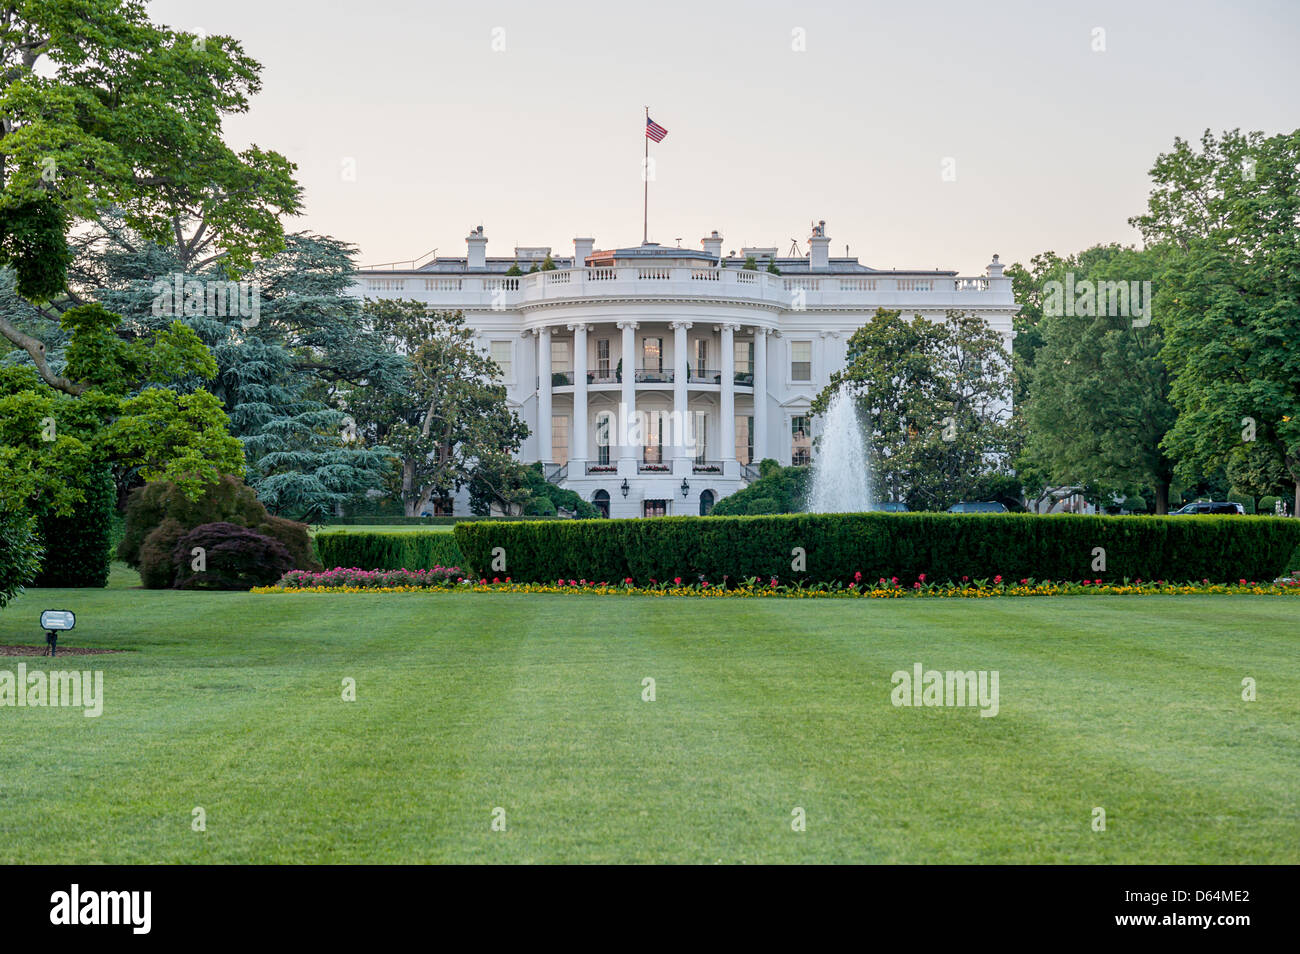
(581, 249)
(477, 248)
(712, 244)
(819, 247)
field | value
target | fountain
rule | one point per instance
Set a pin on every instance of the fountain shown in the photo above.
(840, 482)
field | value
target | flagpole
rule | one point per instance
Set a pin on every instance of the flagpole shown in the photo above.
(645, 179)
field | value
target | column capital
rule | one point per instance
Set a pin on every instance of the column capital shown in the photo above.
(579, 326)
(829, 334)
(678, 324)
(627, 324)
(763, 330)
(727, 326)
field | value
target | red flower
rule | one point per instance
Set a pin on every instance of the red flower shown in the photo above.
(921, 577)
(857, 577)
(998, 579)
(677, 581)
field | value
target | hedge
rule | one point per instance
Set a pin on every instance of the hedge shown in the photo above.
(79, 546)
(413, 521)
(942, 546)
(408, 550)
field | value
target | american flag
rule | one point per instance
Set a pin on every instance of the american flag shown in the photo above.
(654, 131)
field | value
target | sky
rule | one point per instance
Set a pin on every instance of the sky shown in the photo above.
(927, 135)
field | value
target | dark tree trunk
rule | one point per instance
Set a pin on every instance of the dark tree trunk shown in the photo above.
(1162, 497)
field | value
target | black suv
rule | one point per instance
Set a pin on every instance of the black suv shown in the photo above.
(1210, 506)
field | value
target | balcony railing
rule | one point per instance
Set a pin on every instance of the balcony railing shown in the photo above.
(706, 466)
(561, 379)
(654, 375)
(937, 291)
(654, 464)
(703, 376)
(595, 467)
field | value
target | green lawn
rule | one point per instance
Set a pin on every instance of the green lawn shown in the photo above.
(533, 704)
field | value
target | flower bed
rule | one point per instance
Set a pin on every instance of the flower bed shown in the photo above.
(451, 579)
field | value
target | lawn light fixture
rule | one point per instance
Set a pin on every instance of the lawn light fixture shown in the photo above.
(625, 488)
(52, 621)
(686, 488)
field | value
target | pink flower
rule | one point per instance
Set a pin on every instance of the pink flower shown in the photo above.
(921, 577)
(998, 580)
(677, 581)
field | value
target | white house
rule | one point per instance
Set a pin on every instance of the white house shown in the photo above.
(654, 379)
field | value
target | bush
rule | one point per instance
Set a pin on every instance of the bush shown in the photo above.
(539, 507)
(229, 500)
(157, 571)
(1268, 506)
(234, 558)
(389, 551)
(1134, 505)
(779, 490)
(942, 546)
(20, 553)
(78, 547)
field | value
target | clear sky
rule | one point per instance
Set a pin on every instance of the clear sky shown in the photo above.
(412, 121)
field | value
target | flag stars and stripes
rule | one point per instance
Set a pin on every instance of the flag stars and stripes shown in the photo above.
(654, 131)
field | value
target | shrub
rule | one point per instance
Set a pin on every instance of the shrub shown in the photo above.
(1268, 506)
(1134, 505)
(229, 500)
(157, 571)
(234, 558)
(78, 547)
(389, 551)
(942, 546)
(20, 553)
(785, 487)
(539, 507)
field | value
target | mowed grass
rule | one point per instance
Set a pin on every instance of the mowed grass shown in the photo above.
(533, 704)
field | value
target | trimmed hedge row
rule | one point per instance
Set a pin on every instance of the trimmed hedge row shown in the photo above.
(943, 546)
(408, 550)
(413, 521)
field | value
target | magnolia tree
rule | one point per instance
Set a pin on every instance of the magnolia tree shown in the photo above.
(933, 400)
(445, 416)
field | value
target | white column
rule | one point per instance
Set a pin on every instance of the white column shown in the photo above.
(578, 429)
(760, 394)
(728, 429)
(544, 449)
(627, 416)
(680, 424)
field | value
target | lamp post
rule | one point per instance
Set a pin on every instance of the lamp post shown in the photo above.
(686, 488)
(54, 621)
(625, 488)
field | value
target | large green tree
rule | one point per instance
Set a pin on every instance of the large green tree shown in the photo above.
(933, 399)
(1227, 215)
(445, 416)
(1097, 405)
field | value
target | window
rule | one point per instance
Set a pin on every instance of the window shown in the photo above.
(602, 358)
(654, 508)
(560, 439)
(653, 451)
(744, 357)
(707, 499)
(652, 354)
(745, 439)
(701, 436)
(602, 438)
(800, 441)
(800, 360)
(560, 356)
(502, 353)
(701, 356)
(601, 501)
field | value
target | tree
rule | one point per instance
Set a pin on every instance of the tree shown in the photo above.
(283, 349)
(1228, 217)
(1097, 407)
(932, 397)
(445, 414)
(101, 108)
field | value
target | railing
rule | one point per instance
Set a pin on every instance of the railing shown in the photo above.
(645, 466)
(744, 379)
(748, 472)
(597, 468)
(654, 376)
(703, 376)
(706, 467)
(603, 377)
(560, 379)
(555, 473)
(684, 280)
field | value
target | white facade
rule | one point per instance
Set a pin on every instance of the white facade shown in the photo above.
(654, 379)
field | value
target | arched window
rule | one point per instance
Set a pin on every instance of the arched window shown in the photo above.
(707, 499)
(601, 501)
